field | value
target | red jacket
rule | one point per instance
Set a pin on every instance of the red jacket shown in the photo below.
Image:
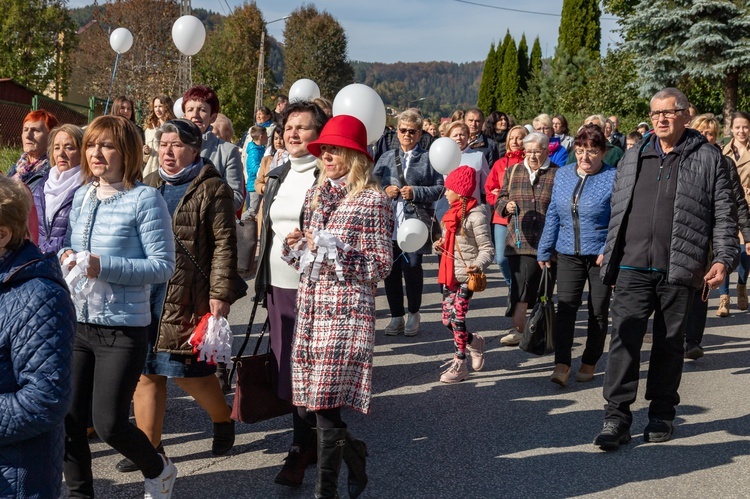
(495, 180)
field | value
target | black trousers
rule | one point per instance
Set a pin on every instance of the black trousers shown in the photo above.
(107, 363)
(696, 324)
(413, 278)
(573, 272)
(637, 295)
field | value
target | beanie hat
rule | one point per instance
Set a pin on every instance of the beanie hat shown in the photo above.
(462, 181)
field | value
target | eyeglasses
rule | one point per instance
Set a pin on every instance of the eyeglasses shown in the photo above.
(543, 128)
(587, 152)
(534, 152)
(410, 131)
(667, 113)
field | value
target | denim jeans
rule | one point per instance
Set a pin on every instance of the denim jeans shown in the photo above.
(741, 272)
(502, 262)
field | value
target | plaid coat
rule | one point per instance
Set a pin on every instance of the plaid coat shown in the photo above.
(334, 335)
(532, 202)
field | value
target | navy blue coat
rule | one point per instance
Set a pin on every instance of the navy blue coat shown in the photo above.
(584, 233)
(37, 325)
(52, 235)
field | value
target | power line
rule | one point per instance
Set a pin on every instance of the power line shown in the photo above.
(524, 11)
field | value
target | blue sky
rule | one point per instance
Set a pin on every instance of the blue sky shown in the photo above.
(422, 30)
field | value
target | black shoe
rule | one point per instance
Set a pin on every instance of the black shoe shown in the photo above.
(295, 463)
(693, 352)
(223, 438)
(355, 454)
(613, 434)
(127, 466)
(658, 430)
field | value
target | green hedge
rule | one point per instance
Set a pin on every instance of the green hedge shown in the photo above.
(8, 157)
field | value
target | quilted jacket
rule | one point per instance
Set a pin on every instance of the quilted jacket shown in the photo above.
(37, 325)
(204, 221)
(131, 232)
(52, 235)
(475, 244)
(581, 230)
(225, 156)
(704, 217)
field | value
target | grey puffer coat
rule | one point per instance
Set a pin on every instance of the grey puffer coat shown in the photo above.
(475, 244)
(704, 217)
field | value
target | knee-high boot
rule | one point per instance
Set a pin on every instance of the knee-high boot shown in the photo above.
(331, 444)
(355, 452)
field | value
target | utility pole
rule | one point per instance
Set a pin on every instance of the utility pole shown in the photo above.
(185, 74)
(260, 81)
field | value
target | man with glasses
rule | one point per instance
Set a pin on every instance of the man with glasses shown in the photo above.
(478, 141)
(671, 203)
(558, 154)
(413, 186)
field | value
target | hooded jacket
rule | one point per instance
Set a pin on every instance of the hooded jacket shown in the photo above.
(703, 218)
(37, 325)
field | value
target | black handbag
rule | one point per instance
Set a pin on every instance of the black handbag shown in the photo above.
(256, 397)
(425, 215)
(538, 336)
(247, 242)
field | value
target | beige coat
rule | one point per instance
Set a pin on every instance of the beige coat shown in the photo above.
(475, 243)
(743, 170)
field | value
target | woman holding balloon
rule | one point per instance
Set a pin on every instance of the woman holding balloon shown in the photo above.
(413, 186)
(342, 251)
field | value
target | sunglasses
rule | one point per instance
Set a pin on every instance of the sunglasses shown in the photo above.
(409, 131)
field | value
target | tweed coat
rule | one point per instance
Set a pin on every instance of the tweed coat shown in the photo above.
(334, 336)
(532, 202)
(204, 222)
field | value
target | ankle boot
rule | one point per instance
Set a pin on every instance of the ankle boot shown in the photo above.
(331, 443)
(355, 453)
(223, 438)
(741, 297)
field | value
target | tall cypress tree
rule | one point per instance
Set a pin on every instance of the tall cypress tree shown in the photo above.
(535, 62)
(523, 62)
(500, 58)
(580, 28)
(509, 82)
(487, 87)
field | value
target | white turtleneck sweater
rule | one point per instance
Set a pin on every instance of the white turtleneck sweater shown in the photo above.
(285, 213)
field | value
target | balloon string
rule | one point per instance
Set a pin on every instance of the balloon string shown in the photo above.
(403, 254)
(111, 83)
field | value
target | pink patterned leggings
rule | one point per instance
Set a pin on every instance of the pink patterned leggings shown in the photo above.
(455, 306)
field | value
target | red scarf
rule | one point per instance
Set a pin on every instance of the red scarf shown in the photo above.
(515, 156)
(451, 225)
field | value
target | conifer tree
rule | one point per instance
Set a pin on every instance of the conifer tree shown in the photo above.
(509, 82)
(535, 61)
(523, 62)
(487, 86)
(500, 62)
(580, 27)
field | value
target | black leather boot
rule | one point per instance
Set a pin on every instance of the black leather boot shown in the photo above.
(355, 453)
(331, 443)
(223, 438)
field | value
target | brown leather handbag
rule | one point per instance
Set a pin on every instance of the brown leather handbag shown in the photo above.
(477, 280)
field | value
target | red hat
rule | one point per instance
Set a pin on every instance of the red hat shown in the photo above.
(342, 131)
(462, 181)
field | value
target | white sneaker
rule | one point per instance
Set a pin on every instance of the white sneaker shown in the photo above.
(412, 324)
(162, 486)
(395, 326)
(512, 338)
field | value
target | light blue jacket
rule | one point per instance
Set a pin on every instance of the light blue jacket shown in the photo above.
(132, 234)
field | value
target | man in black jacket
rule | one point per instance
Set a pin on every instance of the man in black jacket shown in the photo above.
(671, 202)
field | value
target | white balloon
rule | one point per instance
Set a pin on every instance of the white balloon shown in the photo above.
(188, 34)
(177, 108)
(121, 40)
(412, 235)
(304, 89)
(445, 156)
(365, 104)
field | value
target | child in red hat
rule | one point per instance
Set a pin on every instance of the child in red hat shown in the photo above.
(466, 247)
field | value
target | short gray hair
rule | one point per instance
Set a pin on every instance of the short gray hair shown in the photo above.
(536, 138)
(680, 100)
(410, 116)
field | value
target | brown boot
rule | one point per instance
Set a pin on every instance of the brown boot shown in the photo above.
(560, 374)
(723, 310)
(742, 297)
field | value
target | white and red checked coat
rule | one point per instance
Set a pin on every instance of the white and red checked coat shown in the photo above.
(335, 331)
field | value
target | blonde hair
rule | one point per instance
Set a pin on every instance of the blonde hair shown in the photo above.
(358, 179)
(517, 127)
(457, 124)
(15, 206)
(706, 121)
(127, 140)
(542, 119)
(74, 132)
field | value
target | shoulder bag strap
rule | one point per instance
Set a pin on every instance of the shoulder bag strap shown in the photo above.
(248, 331)
(190, 255)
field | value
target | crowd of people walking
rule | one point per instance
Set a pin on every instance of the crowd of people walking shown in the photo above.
(116, 241)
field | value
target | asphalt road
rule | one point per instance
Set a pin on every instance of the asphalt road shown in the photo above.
(506, 432)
